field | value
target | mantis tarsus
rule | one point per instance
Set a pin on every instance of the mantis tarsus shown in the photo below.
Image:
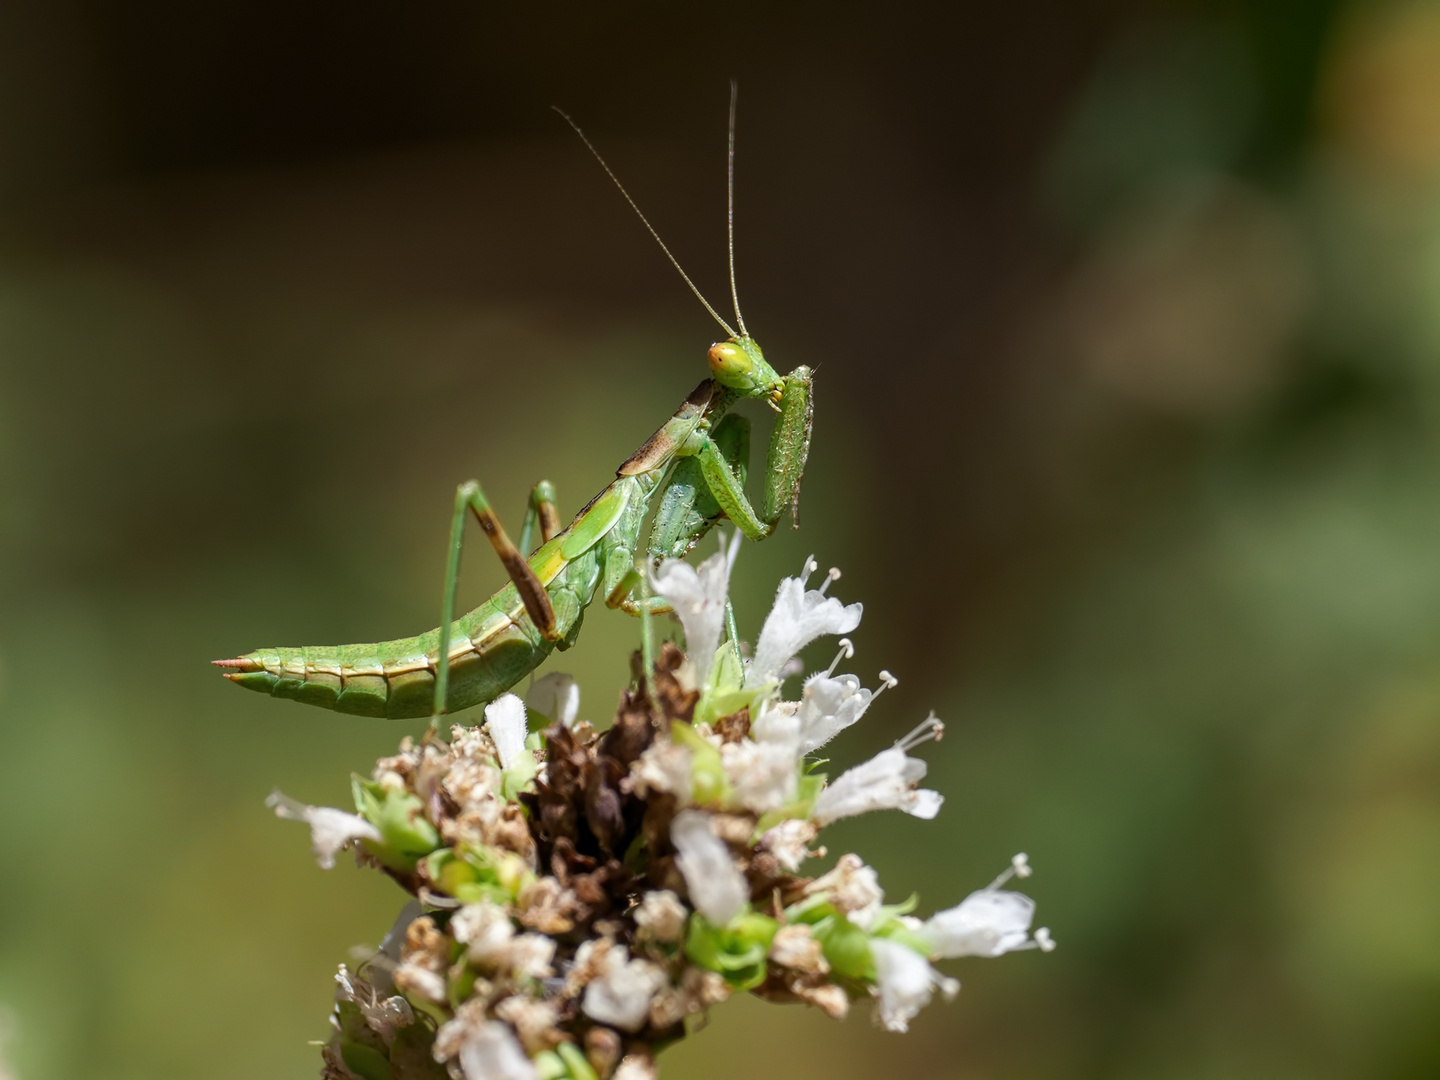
(696, 461)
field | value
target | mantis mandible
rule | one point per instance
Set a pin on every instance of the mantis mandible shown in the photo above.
(697, 462)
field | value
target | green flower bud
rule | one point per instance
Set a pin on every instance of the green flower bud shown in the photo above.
(405, 835)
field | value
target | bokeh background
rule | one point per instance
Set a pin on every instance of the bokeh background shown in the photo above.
(1126, 317)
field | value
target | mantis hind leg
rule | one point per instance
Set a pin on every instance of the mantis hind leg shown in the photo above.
(470, 497)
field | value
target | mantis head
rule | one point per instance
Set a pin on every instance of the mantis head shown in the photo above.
(740, 365)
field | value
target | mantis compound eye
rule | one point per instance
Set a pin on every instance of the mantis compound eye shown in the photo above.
(730, 363)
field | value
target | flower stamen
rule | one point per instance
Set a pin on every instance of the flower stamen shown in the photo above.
(847, 650)
(929, 728)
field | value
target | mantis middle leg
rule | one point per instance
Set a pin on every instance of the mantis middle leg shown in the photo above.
(470, 497)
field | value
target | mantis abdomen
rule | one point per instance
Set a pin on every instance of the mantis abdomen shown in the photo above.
(491, 649)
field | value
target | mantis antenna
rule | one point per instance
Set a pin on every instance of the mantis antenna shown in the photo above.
(730, 206)
(646, 221)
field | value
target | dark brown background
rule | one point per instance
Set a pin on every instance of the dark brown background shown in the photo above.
(1124, 321)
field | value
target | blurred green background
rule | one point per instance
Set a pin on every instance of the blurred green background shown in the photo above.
(1127, 320)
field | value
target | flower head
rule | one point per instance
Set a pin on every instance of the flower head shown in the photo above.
(583, 898)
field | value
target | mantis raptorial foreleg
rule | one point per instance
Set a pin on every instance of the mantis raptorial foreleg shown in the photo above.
(785, 463)
(470, 497)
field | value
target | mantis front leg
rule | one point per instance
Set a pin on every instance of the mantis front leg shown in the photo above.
(470, 497)
(784, 466)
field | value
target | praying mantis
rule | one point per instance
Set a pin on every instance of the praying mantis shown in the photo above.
(696, 463)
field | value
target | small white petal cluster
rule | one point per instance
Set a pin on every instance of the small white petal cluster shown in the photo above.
(331, 830)
(800, 615)
(492, 1052)
(716, 886)
(885, 782)
(906, 983)
(505, 724)
(698, 595)
(620, 995)
(556, 696)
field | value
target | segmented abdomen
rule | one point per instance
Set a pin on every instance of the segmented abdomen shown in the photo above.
(491, 649)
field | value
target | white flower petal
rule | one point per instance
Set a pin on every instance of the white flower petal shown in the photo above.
(789, 842)
(717, 888)
(852, 888)
(988, 922)
(556, 696)
(505, 724)
(492, 1052)
(830, 705)
(906, 982)
(661, 916)
(331, 830)
(621, 994)
(485, 929)
(885, 782)
(763, 775)
(665, 766)
(698, 596)
(798, 617)
(529, 956)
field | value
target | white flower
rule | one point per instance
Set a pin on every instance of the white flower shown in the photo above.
(485, 929)
(906, 981)
(665, 766)
(661, 916)
(492, 1052)
(831, 703)
(989, 922)
(777, 722)
(852, 888)
(789, 842)
(635, 1067)
(763, 775)
(620, 994)
(794, 947)
(717, 888)
(529, 956)
(798, 618)
(534, 1020)
(331, 830)
(885, 782)
(698, 597)
(505, 724)
(556, 696)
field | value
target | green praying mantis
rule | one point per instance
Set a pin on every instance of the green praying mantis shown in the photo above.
(696, 463)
